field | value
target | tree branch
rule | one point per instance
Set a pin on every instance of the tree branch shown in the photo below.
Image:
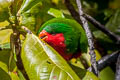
(96, 24)
(101, 27)
(16, 46)
(107, 60)
(117, 75)
(5, 27)
(73, 12)
(90, 38)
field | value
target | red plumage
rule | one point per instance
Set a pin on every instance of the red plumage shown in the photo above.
(57, 42)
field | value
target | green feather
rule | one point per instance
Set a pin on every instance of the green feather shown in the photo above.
(74, 34)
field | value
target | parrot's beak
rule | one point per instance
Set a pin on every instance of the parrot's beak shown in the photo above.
(43, 35)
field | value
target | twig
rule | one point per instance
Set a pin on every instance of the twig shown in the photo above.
(107, 60)
(4, 28)
(26, 29)
(101, 27)
(90, 38)
(16, 44)
(96, 24)
(73, 12)
(117, 75)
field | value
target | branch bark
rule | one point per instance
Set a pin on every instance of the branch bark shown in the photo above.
(107, 60)
(117, 75)
(73, 12)
(4, 28)
(16, 46)
(89, 36)
(96, 24)
(101, 27)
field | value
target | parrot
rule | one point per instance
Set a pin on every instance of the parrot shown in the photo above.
(66, 36)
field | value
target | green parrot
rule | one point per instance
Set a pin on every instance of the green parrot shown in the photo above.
(66, 36)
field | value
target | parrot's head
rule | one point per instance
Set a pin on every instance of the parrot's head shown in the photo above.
(55, 40)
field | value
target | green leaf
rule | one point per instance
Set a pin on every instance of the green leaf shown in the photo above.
(107, 74)
(3, 66)
(4, 75)
(21, 75)
(4, 15)
(55, 1)
(84, 74)
(5, 46)
(114, 22)
(27, 4)
(5, 36)
(90, 76)
(56, 13)
(29, 22)
(77, 63)
(5, 58)
(28, 18)
(4, 12)
(15, 6)
(42, 62)
(3, 24)
(14, 76)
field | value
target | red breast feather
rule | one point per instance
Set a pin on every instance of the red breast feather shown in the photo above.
(57, 42)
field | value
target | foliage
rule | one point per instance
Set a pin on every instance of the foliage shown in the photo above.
(41, 61)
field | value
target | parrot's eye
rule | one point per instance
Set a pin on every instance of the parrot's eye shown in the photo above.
(53, 34)
(43, 36)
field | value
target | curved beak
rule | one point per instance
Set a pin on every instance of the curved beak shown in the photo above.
(43, 35)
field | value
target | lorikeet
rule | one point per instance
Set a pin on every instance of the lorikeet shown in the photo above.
(66, 36)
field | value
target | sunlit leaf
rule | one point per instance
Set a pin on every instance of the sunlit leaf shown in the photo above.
(5, 46)
(55, 1)
(90, 76)
(42, 62)
(3, 24)
(14, 76)
(56, 13)
(83, 73)
(21, 77)
(107, 74)
(77, 62)
(5, 36)
(28, 4)
(98, 55)
(3, 66)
